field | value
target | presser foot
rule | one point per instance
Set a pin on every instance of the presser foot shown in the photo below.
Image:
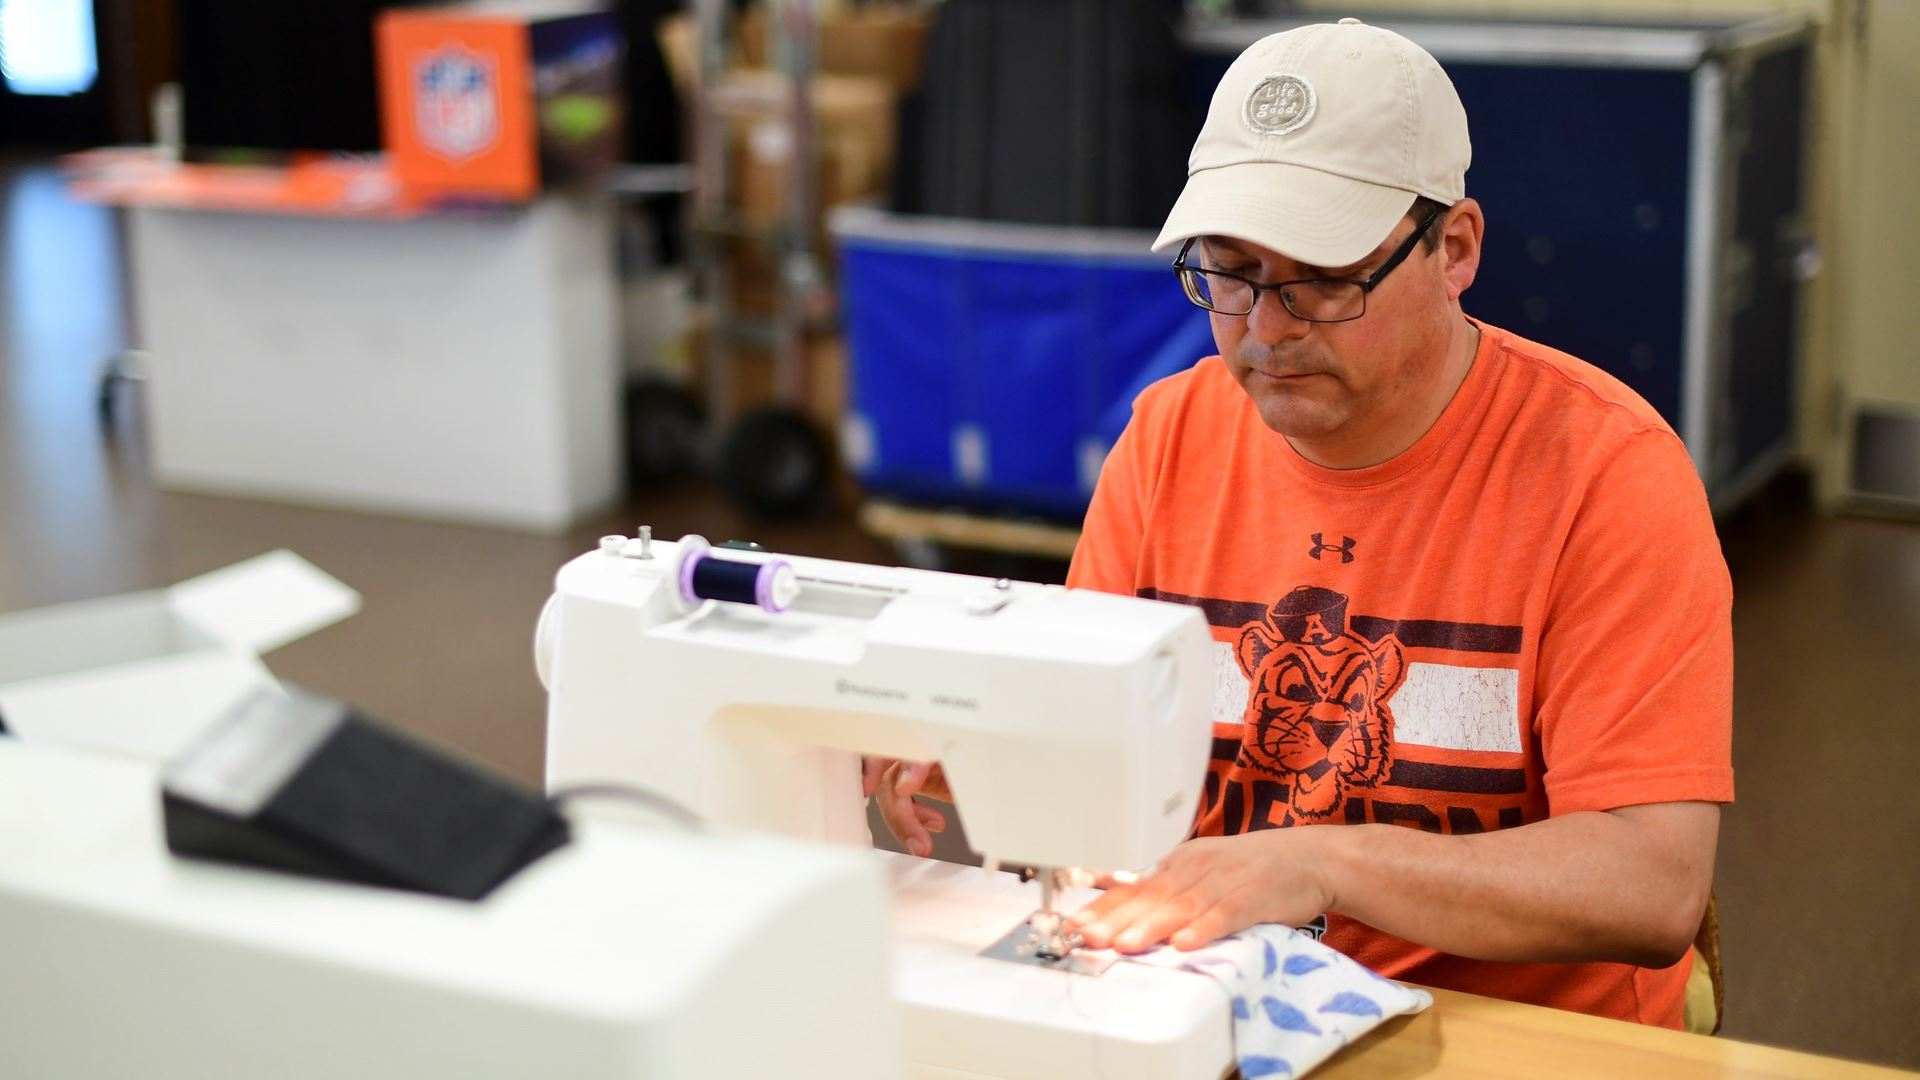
(1042, 940)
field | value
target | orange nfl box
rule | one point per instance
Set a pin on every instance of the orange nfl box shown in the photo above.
(497, 107)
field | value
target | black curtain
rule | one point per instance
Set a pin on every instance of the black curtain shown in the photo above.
(279, 74)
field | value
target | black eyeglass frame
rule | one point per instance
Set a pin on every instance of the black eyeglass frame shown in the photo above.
(1181, 270)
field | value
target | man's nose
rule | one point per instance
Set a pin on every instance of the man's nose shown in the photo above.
(1271, 323)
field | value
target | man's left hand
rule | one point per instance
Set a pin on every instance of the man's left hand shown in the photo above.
(1210, 887)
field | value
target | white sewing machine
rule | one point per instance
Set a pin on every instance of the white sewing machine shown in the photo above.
(1072, 727)
(120, 960)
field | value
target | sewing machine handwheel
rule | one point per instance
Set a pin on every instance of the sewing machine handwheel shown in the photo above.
(775, 463)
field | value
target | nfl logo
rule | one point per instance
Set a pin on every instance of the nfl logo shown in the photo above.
(453, 102)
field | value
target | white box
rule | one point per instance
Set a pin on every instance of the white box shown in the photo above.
(141, 674)
(459, 367)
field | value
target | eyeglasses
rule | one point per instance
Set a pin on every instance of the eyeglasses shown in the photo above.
(1324, 300)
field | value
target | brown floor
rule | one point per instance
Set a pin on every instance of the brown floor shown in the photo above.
(1819, 859)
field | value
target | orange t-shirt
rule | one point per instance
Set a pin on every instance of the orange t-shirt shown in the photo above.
(1524, 614)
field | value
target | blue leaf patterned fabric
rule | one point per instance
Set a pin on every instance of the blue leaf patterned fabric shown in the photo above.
(1286, 1017)
(1300, 965)
(1352, 1004)
(1307, 1002)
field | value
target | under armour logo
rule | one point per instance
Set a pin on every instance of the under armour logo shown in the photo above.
(1344, 547)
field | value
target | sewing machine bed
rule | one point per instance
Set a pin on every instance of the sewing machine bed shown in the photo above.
(970, 1016)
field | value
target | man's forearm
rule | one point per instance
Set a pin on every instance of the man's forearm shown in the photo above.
(1625, 885)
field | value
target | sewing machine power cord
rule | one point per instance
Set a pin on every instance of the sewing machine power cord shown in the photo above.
(666, 806)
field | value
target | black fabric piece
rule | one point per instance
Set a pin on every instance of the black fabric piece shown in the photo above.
(654, 132)
(1058, 112)
(280, 76)
(370, 805)
(653, 105)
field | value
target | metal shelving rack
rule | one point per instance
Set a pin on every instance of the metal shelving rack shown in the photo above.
(771, 459)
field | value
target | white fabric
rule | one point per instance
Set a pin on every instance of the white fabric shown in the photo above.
(1295, 1001)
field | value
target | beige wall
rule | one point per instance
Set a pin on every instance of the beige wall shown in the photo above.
(1880, 265)
(1862, 313)
(1874, 253)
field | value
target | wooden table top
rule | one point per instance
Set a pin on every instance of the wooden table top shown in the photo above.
(1468, 1035)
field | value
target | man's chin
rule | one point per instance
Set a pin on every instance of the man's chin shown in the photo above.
(1296, 418)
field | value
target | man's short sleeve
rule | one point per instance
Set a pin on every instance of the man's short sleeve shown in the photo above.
(1635, 673)
(1107, 556)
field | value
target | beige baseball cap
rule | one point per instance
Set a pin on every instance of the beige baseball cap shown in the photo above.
(1318, 141)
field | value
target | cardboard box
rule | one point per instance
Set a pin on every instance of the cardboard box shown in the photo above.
(885, 43)
(853, 131)
(499, 105)
(142, 674)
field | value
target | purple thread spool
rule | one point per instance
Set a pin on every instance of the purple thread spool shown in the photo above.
(768, 585)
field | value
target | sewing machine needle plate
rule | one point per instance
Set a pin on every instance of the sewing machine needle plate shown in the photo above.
(1017, 946)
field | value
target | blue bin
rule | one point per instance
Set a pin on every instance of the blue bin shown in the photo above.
(991, 365)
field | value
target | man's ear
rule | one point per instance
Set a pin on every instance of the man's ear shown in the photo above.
(1390, 660)
(1460, 237)
(1254, 645)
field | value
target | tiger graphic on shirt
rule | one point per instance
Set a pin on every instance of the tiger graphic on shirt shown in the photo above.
(1317, 714)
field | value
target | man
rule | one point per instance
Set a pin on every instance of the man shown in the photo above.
(1466, 593)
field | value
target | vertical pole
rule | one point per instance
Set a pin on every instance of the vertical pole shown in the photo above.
(794, 44)
(711, 277)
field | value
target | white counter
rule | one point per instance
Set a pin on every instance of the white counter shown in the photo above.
(451, 366)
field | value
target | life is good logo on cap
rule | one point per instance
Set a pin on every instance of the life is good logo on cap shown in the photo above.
(1279, 104)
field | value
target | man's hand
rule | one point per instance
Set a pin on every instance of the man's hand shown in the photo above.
(1210, 887)
(895, 783)
(1624, 885)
